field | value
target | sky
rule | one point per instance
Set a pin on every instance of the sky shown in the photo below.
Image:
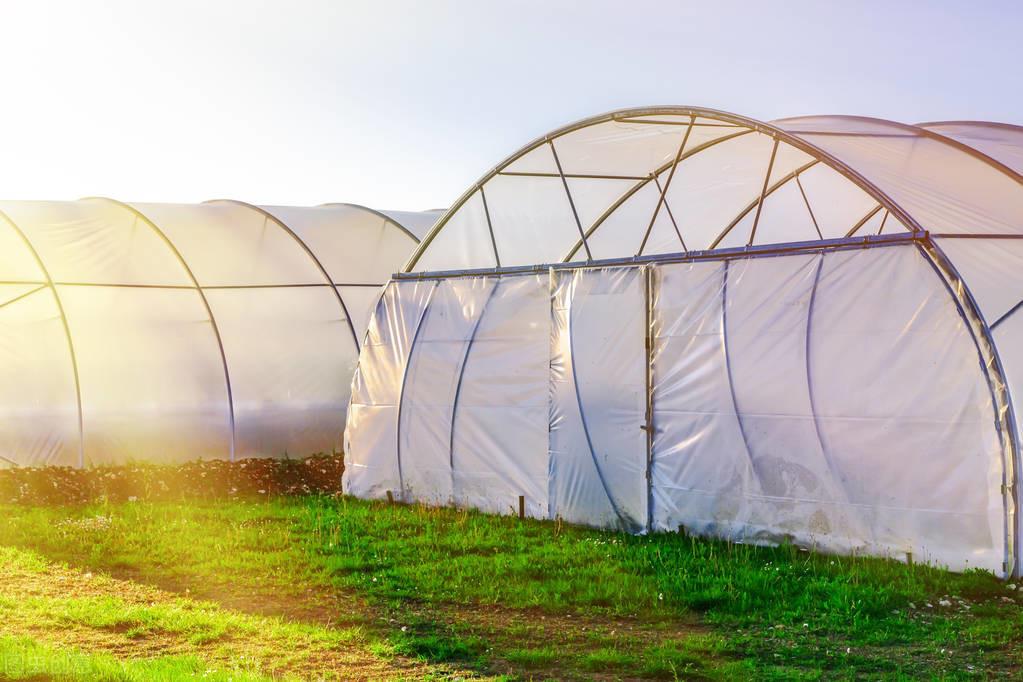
(398, 104)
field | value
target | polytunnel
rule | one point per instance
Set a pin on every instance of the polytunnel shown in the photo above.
(171, 332)
(677, 318)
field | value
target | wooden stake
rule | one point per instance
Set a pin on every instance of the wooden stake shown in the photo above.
(522, 506)
(390, 497)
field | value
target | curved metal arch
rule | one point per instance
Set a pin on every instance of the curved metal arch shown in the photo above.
(461, 375)
(67, 332)
(924, 132)
(998, 384)
(731, 378)
(309, 252)
(375, 212)
(404, 380)
(202, 296)
(713, 114)
(625, 521)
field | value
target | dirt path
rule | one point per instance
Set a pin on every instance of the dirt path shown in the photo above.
(70, 608)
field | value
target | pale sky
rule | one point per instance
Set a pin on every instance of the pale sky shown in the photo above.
(402, 105)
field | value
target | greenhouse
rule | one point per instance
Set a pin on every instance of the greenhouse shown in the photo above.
(169, 332)
(681, 319)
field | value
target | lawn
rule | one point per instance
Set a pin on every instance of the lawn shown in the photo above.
(315, 586)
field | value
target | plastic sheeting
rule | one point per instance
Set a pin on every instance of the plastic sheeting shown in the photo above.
(166, 332)
(831, 398)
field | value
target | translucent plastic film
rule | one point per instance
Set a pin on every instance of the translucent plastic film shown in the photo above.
(461, 366)
(371, 433)
(945, 188)
(96, 241)
(919, 458)
(154, 390)
(354, 245)
(834, 398)
(499, 443)
(289, 394)
(1000, 141)
(38, 406)
(598, 398)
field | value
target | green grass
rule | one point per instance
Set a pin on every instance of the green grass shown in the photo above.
(542, 599)
(22, 658)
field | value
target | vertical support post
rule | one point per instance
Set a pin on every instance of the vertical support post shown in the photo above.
(522, 506)
(568, 193)
(649, 425)
(763, 193)
(552, 499)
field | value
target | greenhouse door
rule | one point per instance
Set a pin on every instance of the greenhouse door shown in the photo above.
(598, 444)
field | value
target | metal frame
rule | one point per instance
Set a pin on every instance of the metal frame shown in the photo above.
(741, 123)
(806, 201)
(664, 190)
(691, 256)
(628, 194)
(571, 203)
(671, 216)
(650, 339)
(763, 193)
(67, 332)
(139, 216)
(768, 191)
(490, 227)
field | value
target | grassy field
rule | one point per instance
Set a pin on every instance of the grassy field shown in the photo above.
(317, 587)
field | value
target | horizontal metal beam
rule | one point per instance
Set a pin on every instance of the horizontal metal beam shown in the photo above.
(580, 176)
(814, 246)
(190, 287)
(661, 122)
